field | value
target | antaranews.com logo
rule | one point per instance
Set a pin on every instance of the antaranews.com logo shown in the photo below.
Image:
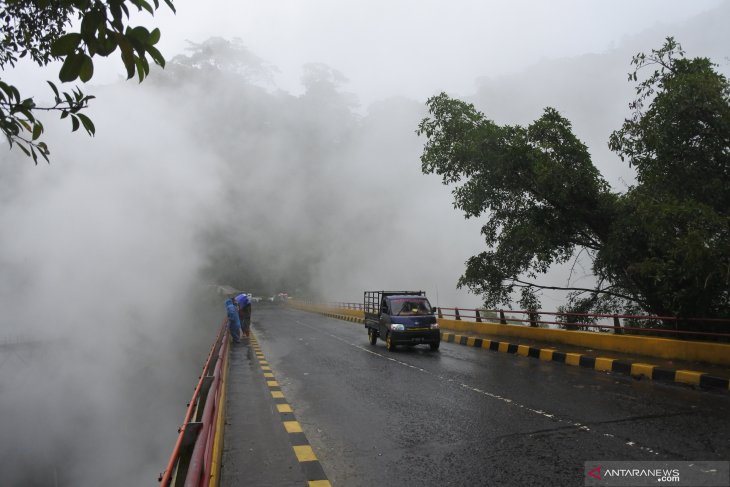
(680, 474)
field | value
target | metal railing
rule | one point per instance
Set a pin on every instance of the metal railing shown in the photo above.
(595, 322)
(598, 322)
(192, 457)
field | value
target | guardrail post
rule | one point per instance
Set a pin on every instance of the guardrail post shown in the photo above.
(479, 318)
(440, 314)
(456, 312)
(617, 323)
(502, 319)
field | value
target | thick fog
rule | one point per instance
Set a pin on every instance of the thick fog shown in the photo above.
(211, 173)
(104, 324)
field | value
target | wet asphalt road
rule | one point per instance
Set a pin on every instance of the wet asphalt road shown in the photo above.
(470, 417)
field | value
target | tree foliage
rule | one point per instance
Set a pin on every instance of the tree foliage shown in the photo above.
(73, 32)
(663, 246)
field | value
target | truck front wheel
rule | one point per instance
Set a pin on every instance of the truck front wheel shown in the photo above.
(389, 345)
(372, 336)
(435, 346)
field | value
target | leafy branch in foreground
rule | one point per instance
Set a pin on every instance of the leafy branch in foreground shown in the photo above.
(41, 30)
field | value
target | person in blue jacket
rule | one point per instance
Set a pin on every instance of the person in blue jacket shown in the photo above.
(234, 323)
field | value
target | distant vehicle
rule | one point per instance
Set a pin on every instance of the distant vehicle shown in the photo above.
(400, 318)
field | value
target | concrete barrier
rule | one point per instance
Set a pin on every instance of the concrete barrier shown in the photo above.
(667, 348)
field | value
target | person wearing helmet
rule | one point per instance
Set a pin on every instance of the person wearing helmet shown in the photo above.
(244, 312)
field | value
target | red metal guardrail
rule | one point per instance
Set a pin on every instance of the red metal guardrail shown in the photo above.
(598, 322)
(192, 457)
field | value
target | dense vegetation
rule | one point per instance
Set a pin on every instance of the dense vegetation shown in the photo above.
(662, 246)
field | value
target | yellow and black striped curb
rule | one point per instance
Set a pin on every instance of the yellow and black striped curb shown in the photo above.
(354, 319)
(311, 467)
(635, 369)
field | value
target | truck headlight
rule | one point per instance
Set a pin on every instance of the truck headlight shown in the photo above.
(397, 327)
(434, 326)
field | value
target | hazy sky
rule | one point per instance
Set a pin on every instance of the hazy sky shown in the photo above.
(423, 46)
(530, 53)
(417, 47)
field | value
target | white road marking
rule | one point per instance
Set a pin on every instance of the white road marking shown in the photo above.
(497, 397)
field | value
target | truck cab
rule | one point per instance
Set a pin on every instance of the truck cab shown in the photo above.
(400, 318)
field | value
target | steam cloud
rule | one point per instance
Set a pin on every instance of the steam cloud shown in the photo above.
(207, 174)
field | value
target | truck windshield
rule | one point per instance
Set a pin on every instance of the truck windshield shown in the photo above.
(410, 306)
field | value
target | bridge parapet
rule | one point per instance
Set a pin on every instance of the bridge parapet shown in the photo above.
(488, 322)
(195, 459)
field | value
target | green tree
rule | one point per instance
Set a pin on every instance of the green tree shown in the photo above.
(678, 139)
(661, 247)
(74, 32)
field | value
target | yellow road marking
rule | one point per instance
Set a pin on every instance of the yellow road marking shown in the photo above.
(277, 394)
(292, 426)
(503, 346)
(523, 350)
(272, 383)
(319, 483)
(304, 453)
(284, 408)
(268, 375)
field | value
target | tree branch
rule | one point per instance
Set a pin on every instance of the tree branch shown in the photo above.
(558, 288)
